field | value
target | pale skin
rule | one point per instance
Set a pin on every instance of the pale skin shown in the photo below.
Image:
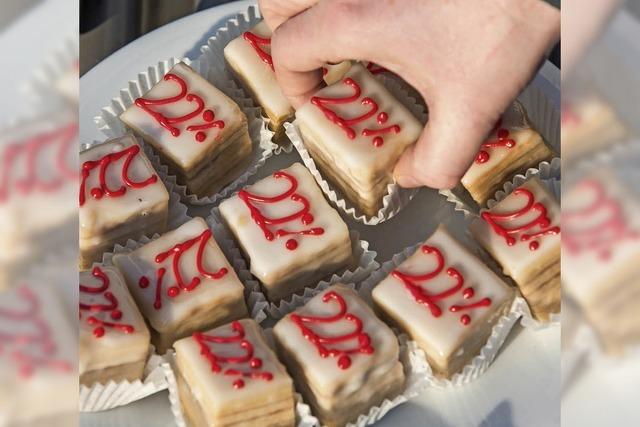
(468, 59)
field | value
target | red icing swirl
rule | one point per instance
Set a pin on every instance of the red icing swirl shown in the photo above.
(502, 140)
(347, 124)
(110, 306)
(270, 226)
(376, 69)
(499, 222)
(324, 343)
(168, 123)
(246, 365)
(257, 44)
(102, 165)
(180, 284)
(433, 301)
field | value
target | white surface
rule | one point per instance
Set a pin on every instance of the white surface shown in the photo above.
(521, 388)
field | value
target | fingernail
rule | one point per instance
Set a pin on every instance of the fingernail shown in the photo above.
(407, 181)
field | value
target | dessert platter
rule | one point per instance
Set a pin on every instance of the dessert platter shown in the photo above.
(261, 267)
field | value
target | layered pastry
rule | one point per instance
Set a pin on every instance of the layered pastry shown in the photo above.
(600, 253)
(446, 299)
(229, 376)
(114, 339)
(522, 233)
(198, 131)
(249, 57)
(343, 359)
(512, 148)
(356, 131)
(121, 197)
(182, 283)
(38, 362)
(38, 164)
(288, 232)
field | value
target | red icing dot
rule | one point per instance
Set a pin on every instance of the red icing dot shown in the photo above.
(378, 141)
(143, 282)
(116, 314)
(534, 246)
(468, 293)
(255, 363)
(238, 384)
(201, 136)
(291, 244)
(482, 157)
(208, 116)
(97, 193)
(173, 291)
(157, 305)
(344, 362)
(127, 329)
(382, 118)
(267, 376)
(465, 319)
(98, 332)
(307, 219)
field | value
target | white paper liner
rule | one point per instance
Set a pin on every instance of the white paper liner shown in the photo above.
(110, 124)
(544, 115)
(43, 87)
(100, 397)
(396, 197)
(481, 362)
(213, 53)
(416, 369)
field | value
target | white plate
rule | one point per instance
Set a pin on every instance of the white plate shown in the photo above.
(521, 388)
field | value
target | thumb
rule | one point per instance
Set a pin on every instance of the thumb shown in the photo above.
(444, 151)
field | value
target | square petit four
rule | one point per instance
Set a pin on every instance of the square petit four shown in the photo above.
(446, 299)
(288, 232)
(182, 283)
(600, 253)
(199, 132)
(114, 339)
(513, 147)
(356, 131)
(343, 359)
(522, 233)
(229, 376)
(249, 57)
(121, 197)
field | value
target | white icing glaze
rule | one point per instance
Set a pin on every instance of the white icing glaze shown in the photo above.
(174, 310)
(184, 150)
(363, 161)
(442, 335)
(271, 259)
(98, 215)
(216, 391)
(518, 258)
(115, 347)
(258, 75)
(324, 374)
(335, 72)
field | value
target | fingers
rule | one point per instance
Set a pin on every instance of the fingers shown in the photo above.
(275, 12)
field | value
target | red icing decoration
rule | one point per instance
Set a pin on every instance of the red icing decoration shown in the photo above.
(256, 43)
(502, 140)
(24, 158)
(322, 343)
(432, 301)
(498, 222)
(347, 124)
(265, 223)
(568, 115)
(103, 163)
(603, 236)
(218, 363)
(181, 285)
(110, 307)
(30, 350)
(376, 69)
(168, 122)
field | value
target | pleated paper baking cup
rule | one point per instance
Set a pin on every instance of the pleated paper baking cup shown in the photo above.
(541, 100)
(304, 418)
(416, 369)
(481, 362)
(110, 124)
(100, 397)
(395, 199)
(55, 83)
(213, 53)
(255, 299)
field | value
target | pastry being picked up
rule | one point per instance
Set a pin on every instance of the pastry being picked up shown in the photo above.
(356, 131)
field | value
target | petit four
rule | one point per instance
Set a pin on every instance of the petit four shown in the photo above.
(522, 233)
(446, 299)
(114, 339)
(121, 197)
(199, 132)
(249, 57)
(512, 147)
(288, 232)
(182, 283)
(229, 376)
(343, 359)
(356, 131)
(600, 253)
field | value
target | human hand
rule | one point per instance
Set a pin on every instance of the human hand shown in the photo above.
(469, 60)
